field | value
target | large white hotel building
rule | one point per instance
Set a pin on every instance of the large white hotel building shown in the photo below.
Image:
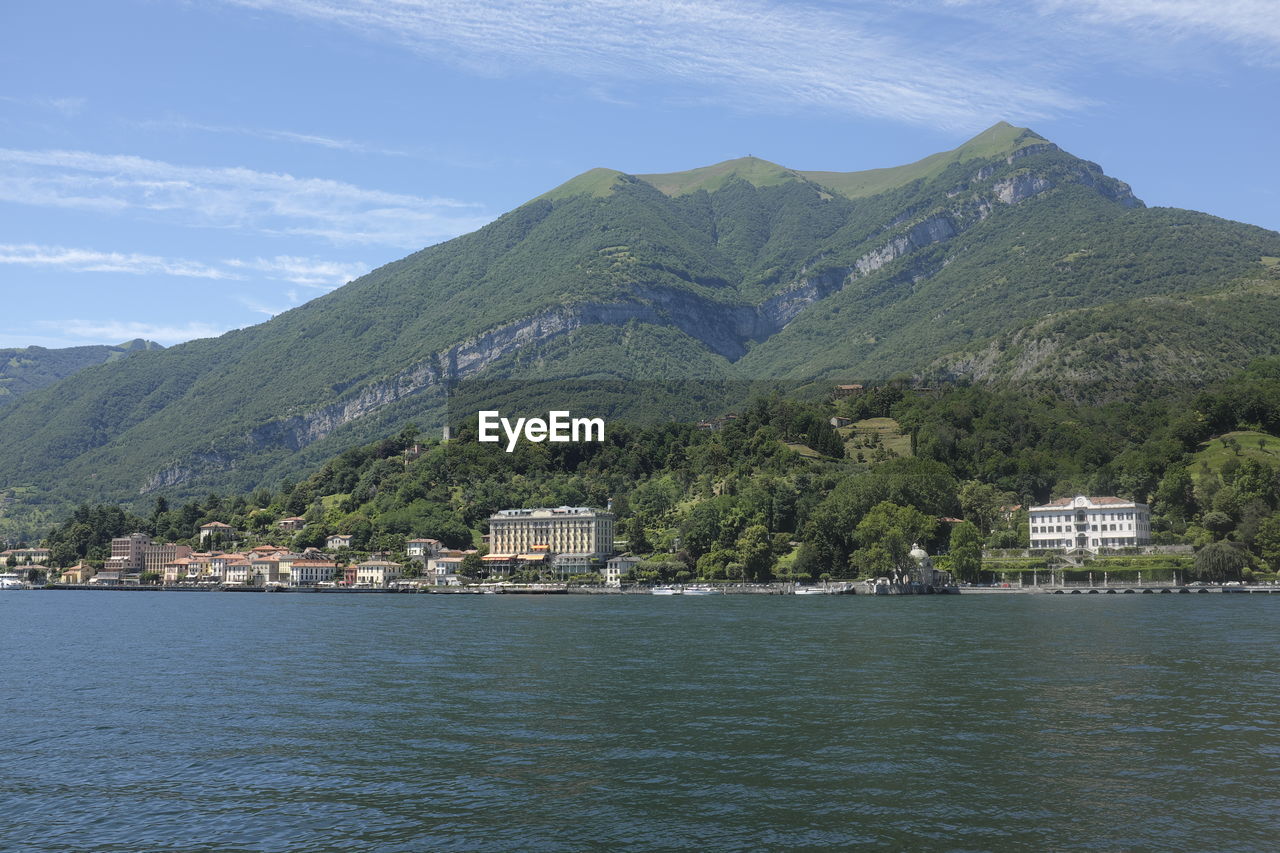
(562, 530)
(1090, 524)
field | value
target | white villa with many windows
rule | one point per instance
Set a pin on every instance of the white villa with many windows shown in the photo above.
(576, 530)
(1089, 524)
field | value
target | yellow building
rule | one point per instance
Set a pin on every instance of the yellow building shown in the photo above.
(79, 573)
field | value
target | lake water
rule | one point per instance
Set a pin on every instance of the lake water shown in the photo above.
(234, 722)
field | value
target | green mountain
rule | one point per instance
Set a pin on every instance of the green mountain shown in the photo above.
(32, 368)
(973, 263)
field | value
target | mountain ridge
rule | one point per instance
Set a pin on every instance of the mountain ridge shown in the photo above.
(754, 278)
(26, 369)
(1001, 139)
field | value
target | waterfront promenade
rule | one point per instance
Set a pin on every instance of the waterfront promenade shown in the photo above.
(1116, 590)
(726, 589)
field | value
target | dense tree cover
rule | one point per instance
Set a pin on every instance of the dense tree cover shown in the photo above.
(741, 503)
(699, 284)
(1088, 268)
(1221, 561)
(1153, 343)
(966, 552)
(32, 368)
(87, 534)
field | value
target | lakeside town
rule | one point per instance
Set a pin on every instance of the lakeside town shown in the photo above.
(556, 549)
(871, 490)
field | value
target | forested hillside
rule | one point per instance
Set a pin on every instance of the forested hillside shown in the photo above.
(773, 492)
(1006, 261)
(32, 368)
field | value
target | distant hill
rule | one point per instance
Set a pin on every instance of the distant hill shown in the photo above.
(1005, 260)
(32, 368)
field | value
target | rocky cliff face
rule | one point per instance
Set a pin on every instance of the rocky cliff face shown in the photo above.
(725, 328)
(802, 276)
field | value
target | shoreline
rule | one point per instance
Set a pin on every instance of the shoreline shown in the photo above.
(759, 589)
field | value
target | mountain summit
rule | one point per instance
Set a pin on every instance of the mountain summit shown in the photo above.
(999, 140)
(1004, 259)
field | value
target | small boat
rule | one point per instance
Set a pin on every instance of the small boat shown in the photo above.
(702, 590)
(11, 580)
(811, 590)
(666, 590)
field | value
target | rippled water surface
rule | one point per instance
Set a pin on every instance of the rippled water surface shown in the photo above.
(212, 721)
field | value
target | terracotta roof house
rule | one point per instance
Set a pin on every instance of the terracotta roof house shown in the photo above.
(225, 530)
(79, 573)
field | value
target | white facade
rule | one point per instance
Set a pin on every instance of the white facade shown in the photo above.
(443, 571)
(218, 567)
(565, 565)
(562, 530)
(238, 572)
(618, 568)
(377, 573)
(226, 531)
(1089, 524)
(311, 572)
(423, 547)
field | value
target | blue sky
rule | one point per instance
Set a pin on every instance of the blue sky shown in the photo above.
(172, 169)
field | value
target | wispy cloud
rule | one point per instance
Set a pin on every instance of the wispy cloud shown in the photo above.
(309, 272)
(234, 197)
(767, 52)
(949, 63)
(1253, 25)
(314, 273)
(257, 306)
(330, 142)
(68, 107)
(75, 332)
(89, 260)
